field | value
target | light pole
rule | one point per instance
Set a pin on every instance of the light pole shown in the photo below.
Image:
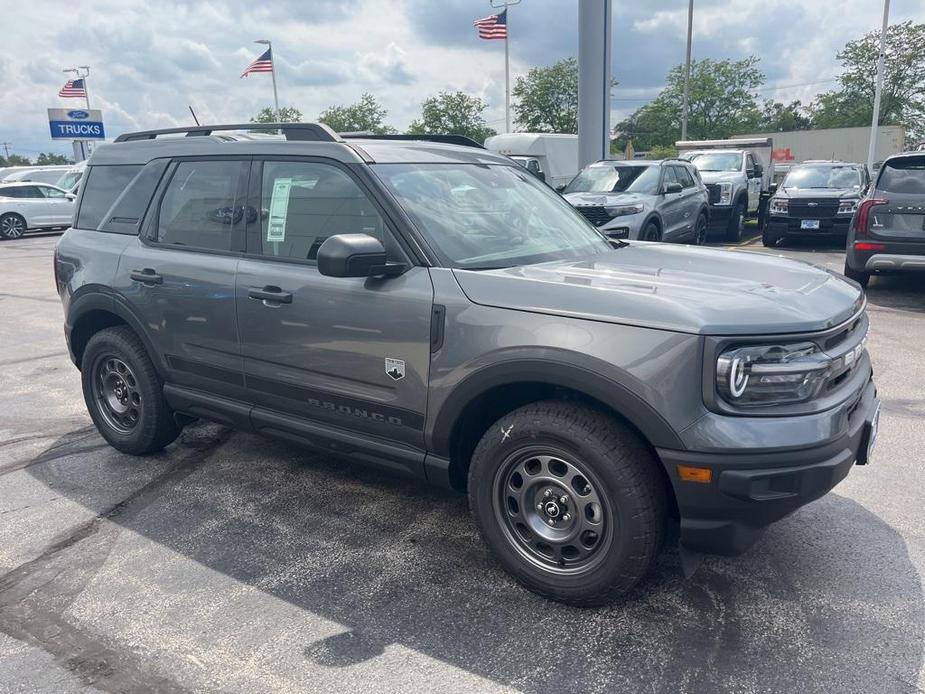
(507, 59)
(875, 119)
(687, 69)
(269, 45)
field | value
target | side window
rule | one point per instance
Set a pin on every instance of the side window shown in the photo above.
(11, 192)
(683, 176)
(51, 192)
(200, 206)
(30, 192)
(669, 176)
(303, 203)
(749, 165)
(102, 185)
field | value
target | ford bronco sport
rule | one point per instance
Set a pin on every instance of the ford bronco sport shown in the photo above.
(428, 306)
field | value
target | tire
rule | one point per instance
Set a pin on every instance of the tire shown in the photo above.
(701, 230)
(611, 486)
(124, 395)
(862, 278)
(651, 232)
(770, 240)
(12, 226)
(736, 223)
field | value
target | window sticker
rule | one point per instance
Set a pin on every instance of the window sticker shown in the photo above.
(279, 208)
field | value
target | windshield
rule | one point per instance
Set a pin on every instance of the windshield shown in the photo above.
(717, 161)
(823, 177)
(67, 181)
(615, 179)
(481, 217)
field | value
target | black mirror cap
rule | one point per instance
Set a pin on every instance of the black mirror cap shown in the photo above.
(673, 187)
(355, 255)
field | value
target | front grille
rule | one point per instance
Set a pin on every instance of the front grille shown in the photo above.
(595, 214)
(713, 193)
(805, 208)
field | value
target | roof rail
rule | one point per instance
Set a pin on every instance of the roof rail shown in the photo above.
(315, 132)
(461, 140)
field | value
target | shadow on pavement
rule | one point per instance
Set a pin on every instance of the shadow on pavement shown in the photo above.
(827, 601)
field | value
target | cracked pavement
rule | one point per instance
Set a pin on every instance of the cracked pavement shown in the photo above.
(234, 563)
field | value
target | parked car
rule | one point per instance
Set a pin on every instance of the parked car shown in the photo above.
(887, 233)
(551, 157)
(434, 309)
(70, 179)
(37, 174)
(25, 206)
(649, 200)
(815, 199)
(738, 174)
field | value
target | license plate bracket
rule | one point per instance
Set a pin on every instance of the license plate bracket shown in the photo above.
(809, 224)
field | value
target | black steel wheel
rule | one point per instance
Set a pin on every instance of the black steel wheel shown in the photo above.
(12, 226)
(115, 389)
(570, 501)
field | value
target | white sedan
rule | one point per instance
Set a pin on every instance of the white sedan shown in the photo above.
(29, 205)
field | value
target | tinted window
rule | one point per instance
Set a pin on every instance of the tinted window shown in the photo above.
(125, 215)
(102, 186)
(200, 207)
(906, 175)
(30, 192)
(12, 192)
(304, 203)
(684, 176)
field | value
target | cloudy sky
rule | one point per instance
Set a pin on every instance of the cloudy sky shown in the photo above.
(149, 59)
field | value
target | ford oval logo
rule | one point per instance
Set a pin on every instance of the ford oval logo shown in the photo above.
(78, 115)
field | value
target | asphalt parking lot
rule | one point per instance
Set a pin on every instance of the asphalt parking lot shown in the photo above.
(235, 563)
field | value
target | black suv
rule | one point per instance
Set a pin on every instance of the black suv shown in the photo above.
(888, 229)
(433, 308)
(815, 199)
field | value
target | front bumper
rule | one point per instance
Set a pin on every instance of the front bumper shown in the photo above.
(750, 491)
(628, 226)
(780, 225)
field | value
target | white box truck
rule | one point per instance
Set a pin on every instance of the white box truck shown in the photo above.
(551, 157)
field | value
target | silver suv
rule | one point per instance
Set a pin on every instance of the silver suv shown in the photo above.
(434, 309)
(648, 200)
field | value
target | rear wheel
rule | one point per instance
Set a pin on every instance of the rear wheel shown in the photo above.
(569, 500)
(124, 395)
(736, 227)
(12, 226)
(862, 278)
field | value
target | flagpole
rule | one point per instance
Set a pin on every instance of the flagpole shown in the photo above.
(506, 4)
(269, 45)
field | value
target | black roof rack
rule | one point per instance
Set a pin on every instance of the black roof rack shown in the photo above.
(461, 140)
(312, 132)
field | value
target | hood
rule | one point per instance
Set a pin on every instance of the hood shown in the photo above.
(818, 193)
(674, 287)
(720, 176)
(606, 198)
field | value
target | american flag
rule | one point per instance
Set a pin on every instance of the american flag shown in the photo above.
(263, 64)
(493, 27)
(73, 88)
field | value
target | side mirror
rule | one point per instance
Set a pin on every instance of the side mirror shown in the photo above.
(70, 196)
(672, 187)
(540, 175)
(355, 255)
(561, 187)
(759, 170)
(772, 188)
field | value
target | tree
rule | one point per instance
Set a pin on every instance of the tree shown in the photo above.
(547, 98)
(287, 114)
(14, 160)
(721, 103)
(50, 159)
(453, 113)
(366, 115)
(903, 97)
(779, 117)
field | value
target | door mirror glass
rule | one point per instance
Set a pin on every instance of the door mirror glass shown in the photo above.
(352, 255)
(672, 187)
(759, 170)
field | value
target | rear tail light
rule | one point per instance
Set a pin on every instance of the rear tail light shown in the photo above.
(862, 218)
(865, 246)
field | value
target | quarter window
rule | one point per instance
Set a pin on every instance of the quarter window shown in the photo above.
(303, 203)
(200, 207)
(102, 186)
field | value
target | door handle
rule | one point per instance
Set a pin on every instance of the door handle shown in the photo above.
(271, 294)
(146, 276)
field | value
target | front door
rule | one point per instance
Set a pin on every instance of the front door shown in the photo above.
(754, 182)
(59, 207)
(341, 353)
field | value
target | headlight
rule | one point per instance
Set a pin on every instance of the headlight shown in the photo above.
(623, 210)
(847, 206)
(725, 193)
(779, 206)
(771, 374)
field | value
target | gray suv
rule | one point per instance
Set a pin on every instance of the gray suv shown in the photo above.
(640, 199)
(432, 308)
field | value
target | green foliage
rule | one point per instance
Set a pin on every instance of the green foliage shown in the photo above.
(366, 115)
(453, 113)
(721, 103)
(547, 98)
(778, 117)
(662, 152)
(14, 160)
(287, 114)
(903, 97)
(51, 159)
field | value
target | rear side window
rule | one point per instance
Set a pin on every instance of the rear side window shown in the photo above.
(683, 176)
(126, 213)
(903, 176)
(200, 207)
(103, 185)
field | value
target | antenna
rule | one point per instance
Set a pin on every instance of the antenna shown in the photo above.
(193, 113)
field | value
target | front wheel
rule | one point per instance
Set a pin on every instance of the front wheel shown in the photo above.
(700, 230)
(736, 227)
(12, 226)
(651, 232)
(569, 500)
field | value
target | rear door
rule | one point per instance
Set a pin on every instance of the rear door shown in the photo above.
(349, 354)
(33, 204)
(672, 207)
(690, 200)
(902, 182)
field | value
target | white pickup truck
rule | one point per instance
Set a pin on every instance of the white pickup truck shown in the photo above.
(737, 173)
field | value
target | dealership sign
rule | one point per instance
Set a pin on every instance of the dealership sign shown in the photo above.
(76, 124)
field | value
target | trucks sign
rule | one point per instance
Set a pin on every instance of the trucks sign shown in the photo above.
(76, 124)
